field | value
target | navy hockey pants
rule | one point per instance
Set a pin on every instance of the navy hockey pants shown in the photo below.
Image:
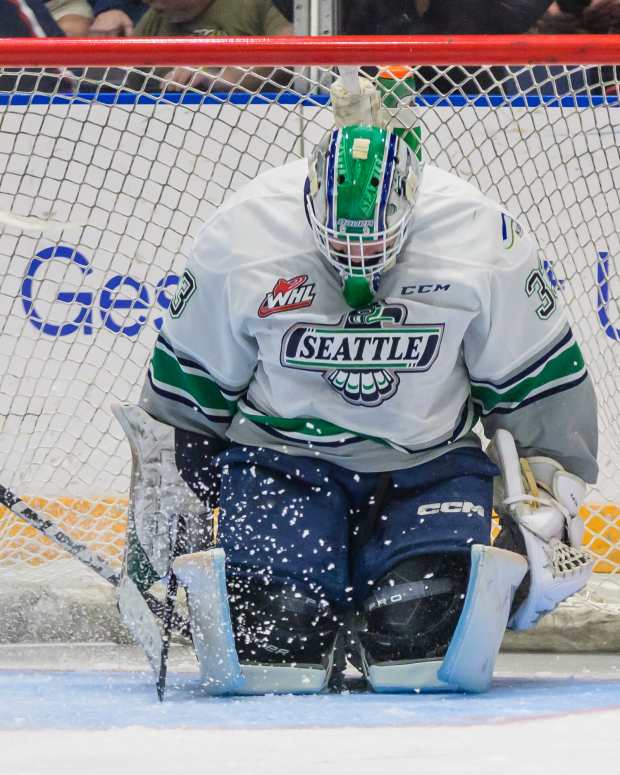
(337, 532)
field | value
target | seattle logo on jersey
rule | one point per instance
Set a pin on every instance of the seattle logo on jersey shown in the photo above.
(286, 295)
(363, 356)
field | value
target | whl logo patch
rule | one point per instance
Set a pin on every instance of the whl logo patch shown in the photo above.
(363, 356)
(286, 295)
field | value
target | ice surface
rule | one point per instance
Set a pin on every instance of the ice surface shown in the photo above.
(100, 700)
(545, 714)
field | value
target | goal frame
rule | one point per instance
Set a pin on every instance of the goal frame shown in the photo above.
(309, 52)
(314, 51)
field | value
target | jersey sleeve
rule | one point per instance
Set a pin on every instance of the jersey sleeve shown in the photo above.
(203, 360)
(526, 369)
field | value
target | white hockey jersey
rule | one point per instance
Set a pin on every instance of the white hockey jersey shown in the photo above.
(259, 345)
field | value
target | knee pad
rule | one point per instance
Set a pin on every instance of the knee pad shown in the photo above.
(280, 624)
(415, 608)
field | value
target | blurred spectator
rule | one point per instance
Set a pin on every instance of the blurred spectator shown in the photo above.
(439, 17)
(454, 17)
(170, 18)
(116, 18)
(450, 17)
(579, 16)
(74, 17)
(286, 8)
(27, 19)
(30, 19)
(602, 16)
(557, 22)
(213, 17)
(586, 16)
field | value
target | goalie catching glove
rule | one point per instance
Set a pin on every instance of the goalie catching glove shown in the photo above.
(538, 506)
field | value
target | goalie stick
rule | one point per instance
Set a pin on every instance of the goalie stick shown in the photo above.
(168, 614)
(82, 553)
(171, 595)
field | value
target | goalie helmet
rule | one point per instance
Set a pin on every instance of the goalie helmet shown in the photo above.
(360, 195)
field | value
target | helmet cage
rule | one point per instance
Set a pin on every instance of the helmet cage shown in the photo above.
(358, 254)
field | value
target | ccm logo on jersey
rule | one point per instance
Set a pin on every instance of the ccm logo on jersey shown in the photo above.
(286, 295)
(410, 290)
(450, 507)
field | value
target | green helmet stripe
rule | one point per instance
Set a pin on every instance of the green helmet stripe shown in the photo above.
(360, 167)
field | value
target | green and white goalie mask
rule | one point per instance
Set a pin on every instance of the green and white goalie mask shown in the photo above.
(360, 194)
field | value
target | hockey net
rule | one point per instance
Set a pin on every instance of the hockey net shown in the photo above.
(107, 172)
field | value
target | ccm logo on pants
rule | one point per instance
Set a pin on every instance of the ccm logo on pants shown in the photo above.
(450, 507)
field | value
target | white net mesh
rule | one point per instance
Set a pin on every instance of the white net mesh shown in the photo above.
(132, 169)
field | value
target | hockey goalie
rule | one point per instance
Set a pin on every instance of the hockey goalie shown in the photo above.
(342, 325)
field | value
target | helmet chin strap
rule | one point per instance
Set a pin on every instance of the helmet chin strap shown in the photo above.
(360, 291)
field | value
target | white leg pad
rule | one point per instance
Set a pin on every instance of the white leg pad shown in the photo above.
(494, 577)
(204, 578)
(283, 679)
(469, 662)
(395, 677)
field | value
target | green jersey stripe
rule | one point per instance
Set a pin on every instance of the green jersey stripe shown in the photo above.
(312, 429)
(308, 426)
(168, 372)
(174, 394)
(561, 368)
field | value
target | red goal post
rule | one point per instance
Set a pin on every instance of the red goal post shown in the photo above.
(314, 51)
(106, 175)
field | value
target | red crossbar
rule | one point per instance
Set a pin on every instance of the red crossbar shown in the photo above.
(323, 51)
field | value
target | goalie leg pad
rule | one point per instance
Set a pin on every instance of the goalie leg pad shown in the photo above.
(495, 575)
(285, 637)
(279, 623)
(470, 659)
(414, 608)
(204, 578)
(203, 575)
